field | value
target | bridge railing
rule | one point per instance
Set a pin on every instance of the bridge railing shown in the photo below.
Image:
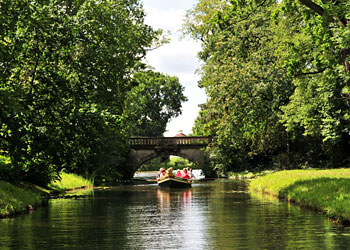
(143, 141)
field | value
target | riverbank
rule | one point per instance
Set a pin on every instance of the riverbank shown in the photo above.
(326, 191)
(17, 199)
(25, 197)
(70, 182)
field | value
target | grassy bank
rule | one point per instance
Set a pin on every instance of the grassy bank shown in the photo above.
(69, 182)
(18, 199)
(327, 191)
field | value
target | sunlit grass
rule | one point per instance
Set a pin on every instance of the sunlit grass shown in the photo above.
(15, 200)
(325, 190)
(70, 181)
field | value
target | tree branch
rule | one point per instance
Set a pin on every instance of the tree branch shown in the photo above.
(319, 10)
(311, 73)
(315, 7)
(34, 74)
(249, 14)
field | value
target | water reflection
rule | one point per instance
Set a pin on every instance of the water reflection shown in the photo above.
(173, 222)
(292, 226)
(167, 198)
(210, 215)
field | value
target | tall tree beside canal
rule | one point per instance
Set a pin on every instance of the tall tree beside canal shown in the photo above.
(154, 100)
(65, 69)
(276, 83)
(320, 105)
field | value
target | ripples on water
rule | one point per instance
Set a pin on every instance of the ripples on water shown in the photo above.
(210, 215)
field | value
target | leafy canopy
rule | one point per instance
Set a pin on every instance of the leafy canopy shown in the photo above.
(65, 70)
(276, 75)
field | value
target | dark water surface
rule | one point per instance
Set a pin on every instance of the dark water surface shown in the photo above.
(210, 215)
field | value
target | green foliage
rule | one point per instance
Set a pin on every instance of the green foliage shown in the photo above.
(245, 88)
(154, 100)
(154, 164)
(180, 163)
(174, 162)
(65, 69)
(8, 172)
(319, 104)
(277, 80)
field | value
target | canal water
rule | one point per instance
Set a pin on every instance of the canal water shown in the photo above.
(218, 214)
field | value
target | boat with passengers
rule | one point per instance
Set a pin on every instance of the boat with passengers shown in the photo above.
(167, 179)
(173, 182)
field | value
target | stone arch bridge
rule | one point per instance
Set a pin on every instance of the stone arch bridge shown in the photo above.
(144, 149)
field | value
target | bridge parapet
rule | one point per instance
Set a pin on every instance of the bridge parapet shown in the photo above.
(163, 141)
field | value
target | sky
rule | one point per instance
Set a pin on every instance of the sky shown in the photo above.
(177, 58)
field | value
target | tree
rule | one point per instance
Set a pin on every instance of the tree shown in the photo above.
(319, 106)
(65, 69)
(335, 11)
(268, 64)
(154, 100)
(244, 85)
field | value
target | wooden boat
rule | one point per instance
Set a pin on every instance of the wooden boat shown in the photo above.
(173, 182)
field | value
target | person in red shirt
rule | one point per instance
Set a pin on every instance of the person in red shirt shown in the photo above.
(178, 173)
(185, 174)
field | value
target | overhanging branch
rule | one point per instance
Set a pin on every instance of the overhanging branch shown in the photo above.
(315, 7)
(319, 10)
(311, 73)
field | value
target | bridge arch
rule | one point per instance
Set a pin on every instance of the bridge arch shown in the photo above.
(152, 156)
(144, 149)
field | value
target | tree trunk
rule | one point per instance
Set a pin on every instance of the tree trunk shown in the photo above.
(343, 55)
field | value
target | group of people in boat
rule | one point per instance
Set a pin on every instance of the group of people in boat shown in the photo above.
(186, 173)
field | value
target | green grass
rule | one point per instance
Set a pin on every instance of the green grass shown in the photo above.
(69, 182)
(16, 200)
(325, 190)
